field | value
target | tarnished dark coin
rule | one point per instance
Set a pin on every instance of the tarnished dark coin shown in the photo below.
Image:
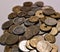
(50, 38)
(39, 4)
(48, 11)
(27, 4)
(44, 27)
(31, 31)
(50, 21)
(19, 30)
(4, 37)
(16, 9)
(19, 21)
(6, 25)
(28, 23)
(12, 39)
(12, 15)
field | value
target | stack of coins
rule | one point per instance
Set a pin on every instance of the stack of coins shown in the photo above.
(31, 28)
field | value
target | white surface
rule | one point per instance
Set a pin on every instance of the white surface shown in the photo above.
(6, 8)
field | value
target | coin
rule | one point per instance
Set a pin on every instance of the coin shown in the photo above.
(58, 26)
(54, 31)
(12, 16)
(18, 21)
(56, 15)
(50, 38)
(50, 21)
(16, 9)
(4, 37)
(22, 46)
(33, 19)
(48, 11)
(6, 25)
(55, 48)
(35, 40)
(28, 45)
(31, 13)
(11, 39)
(28, 23)
(27, 4)
(31, 31)
(39, 14)
(42, 46)
(45, 28)
(11, 28)
(18, 30)
(39, 4)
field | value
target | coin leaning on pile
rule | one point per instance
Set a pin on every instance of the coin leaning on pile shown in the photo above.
(32, 27)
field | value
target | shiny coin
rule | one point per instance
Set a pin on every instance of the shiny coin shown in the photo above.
(33, 19)
(39, 14)
(11, 39)
(50, 38)
(27, 4)
(50, 21)
(12, 16)
(16, 9)
(48, 11)
(54, 31)
(35, 40)
(28, 45)
(39, 4)
(19, 21)
(31, 31)
(19, 30)
(6, 25)
(43, 46)
(22, 46)
(44, 27)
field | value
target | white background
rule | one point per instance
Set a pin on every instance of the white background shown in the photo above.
(6, 8)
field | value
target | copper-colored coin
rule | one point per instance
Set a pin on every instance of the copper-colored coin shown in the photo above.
(35, 40)
(39, 14)
(12, 39)
(16, 9)
(28, 45)
(31, 31)
(33, 19)
(27, 4)
(50, 38)
(12, 16)
(54, 31)
(44, 27)
(6, 25)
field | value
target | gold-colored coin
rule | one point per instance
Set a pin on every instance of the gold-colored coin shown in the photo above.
(33, 19)
(35, 40)
(54, 31)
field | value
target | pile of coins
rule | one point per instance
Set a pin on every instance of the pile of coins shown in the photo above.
(31, 28)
